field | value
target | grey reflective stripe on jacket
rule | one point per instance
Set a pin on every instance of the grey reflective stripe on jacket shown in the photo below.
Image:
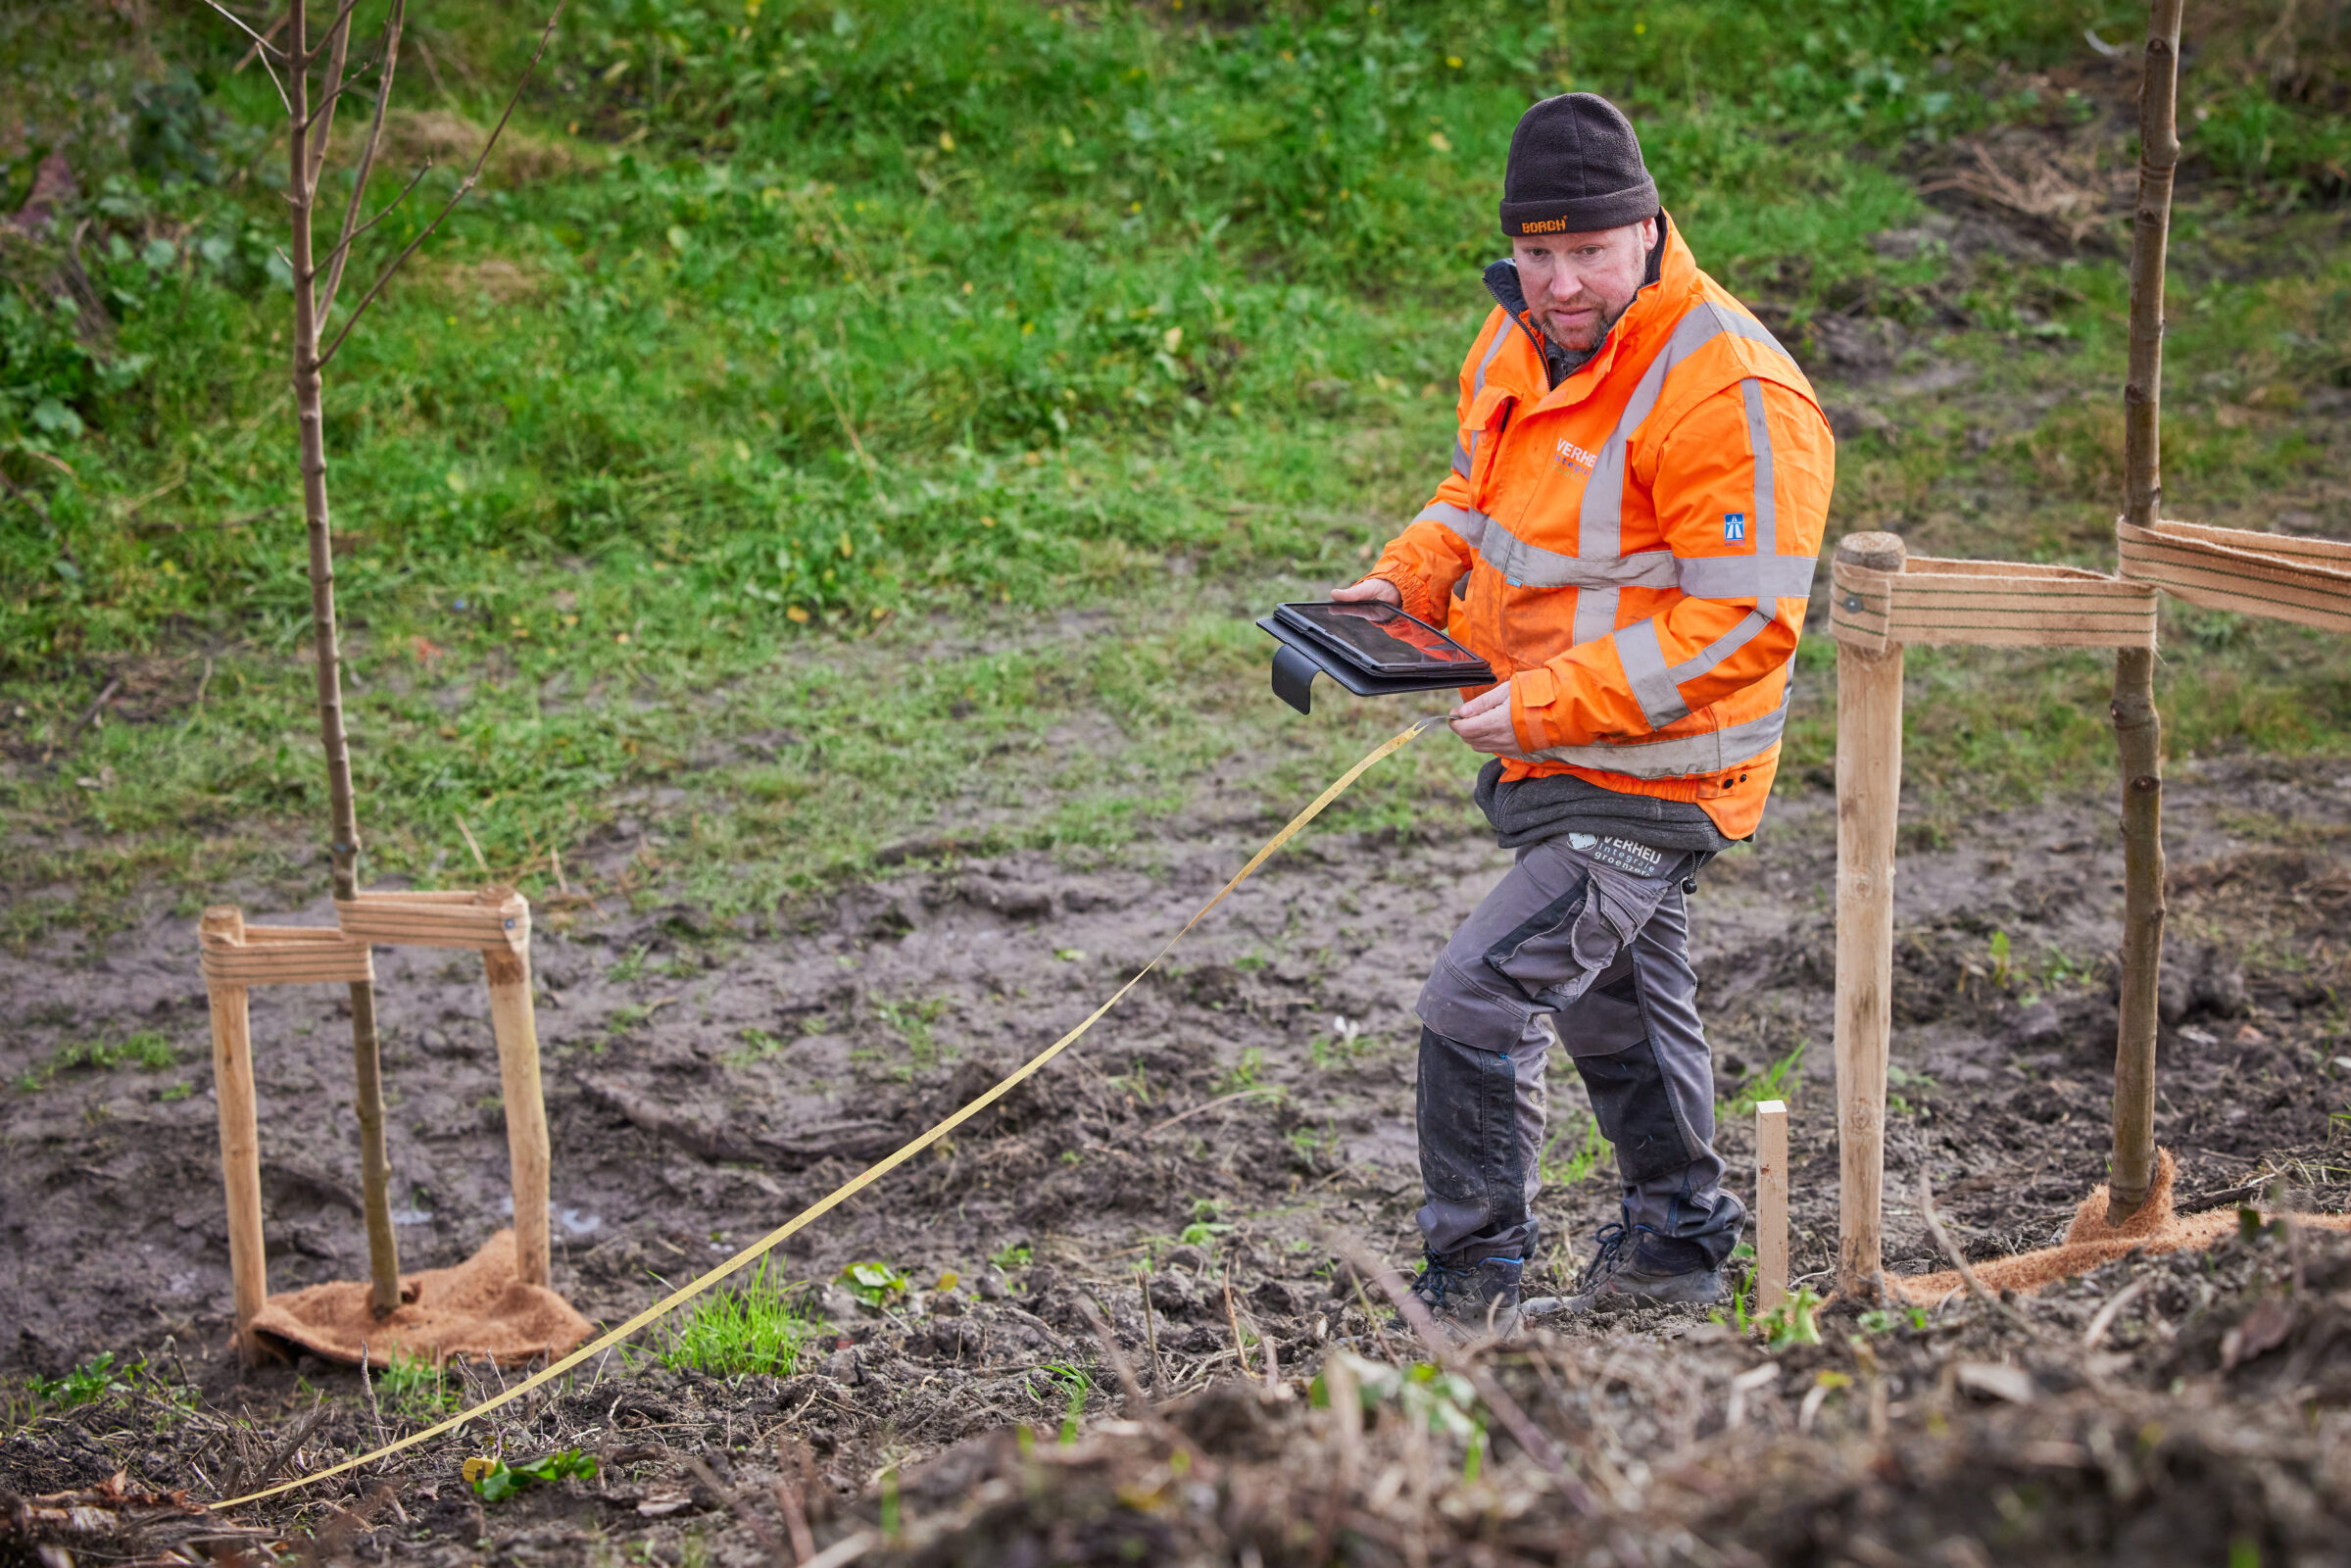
(1686, 756)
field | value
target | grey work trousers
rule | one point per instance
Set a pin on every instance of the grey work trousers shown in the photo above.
(1594, 932)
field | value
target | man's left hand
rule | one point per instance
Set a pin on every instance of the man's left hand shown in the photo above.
(1484, 722)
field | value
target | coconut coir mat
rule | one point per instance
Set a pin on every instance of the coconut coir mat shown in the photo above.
(2089, 1241)
(478, 1309)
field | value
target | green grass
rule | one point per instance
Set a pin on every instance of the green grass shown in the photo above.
(752, 1327)
(418, 1389)
(825, 413)
(1590, 1153)
(1777, 1080)
(144, 1049)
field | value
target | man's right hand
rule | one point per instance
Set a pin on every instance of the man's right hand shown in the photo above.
(1380, 588)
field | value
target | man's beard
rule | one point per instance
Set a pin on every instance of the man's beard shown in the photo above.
(1565, 361)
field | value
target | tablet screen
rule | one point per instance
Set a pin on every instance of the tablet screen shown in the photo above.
(1385, 640)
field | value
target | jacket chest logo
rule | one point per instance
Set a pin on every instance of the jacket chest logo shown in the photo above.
(1571, 454)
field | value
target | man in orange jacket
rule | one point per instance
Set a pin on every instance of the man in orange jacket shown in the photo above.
(1640, 483)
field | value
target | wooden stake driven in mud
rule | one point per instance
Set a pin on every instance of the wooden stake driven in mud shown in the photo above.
(1771, 1204)
(238, 957)
(1869, 788)
(240, 1132)
(2137, 725)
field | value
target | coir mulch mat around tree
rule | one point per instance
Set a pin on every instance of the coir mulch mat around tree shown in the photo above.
(477, 1311)
(2091, 1241)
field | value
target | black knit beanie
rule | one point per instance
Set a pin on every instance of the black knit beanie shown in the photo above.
(1575, 166)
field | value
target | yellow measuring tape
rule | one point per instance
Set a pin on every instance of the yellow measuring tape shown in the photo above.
(871, 1173)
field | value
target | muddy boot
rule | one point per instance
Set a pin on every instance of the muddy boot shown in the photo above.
(1472, 1303)
(1636, 1267)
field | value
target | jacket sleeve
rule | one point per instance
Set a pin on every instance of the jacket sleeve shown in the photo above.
(1433, 551)
(1742, 484)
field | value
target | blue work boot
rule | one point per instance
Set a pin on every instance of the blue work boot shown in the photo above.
(1472, 1302)
(1636, 1267)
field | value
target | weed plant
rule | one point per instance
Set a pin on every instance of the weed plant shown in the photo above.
(754, 1327)
(144, 1048)
(1590, 1154)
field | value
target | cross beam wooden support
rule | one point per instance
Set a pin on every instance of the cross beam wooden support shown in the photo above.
(494, 922)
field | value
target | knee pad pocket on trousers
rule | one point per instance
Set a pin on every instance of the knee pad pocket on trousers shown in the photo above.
(1636, 1112)
(1552, 920)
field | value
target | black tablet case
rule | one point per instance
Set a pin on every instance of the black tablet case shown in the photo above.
(1301, 657)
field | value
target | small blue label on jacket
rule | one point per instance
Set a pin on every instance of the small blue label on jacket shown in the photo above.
(1734, 526)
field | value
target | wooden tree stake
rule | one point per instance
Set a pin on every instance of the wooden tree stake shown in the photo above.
(2137, 726)
(1771, 1204)
(1869, 789)
(513, 1021)
(240, 1135)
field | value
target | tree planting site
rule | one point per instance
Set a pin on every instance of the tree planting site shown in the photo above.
(655, 906)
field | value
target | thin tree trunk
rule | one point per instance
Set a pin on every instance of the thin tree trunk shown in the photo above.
(2137, 725)
(376, 1166)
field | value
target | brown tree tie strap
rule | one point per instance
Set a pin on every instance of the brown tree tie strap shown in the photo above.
(2277, 575)
(2000, 603)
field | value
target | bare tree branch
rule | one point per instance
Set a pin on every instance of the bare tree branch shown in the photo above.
(464, 189)
(342, 250)
(264, 46)
(327, 41)
(352, 228)
(337, 47)
(351, 84)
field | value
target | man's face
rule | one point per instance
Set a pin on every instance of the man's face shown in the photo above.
(1578, 284)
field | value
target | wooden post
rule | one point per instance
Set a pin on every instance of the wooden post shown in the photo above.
(240, 1133)
(514, 1022)
(2137, 725)
(1869, 789)
(1771, 1204)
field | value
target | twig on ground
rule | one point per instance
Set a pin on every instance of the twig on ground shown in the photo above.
(374, 1410)
(2104, 1318)
(791, 1476)
(1967, 1275)
(285, 1451)
(87, 720)
(1150, 1330)
(742, 1509)
(1212, 1104)
(478, 859)
(1529, 1437)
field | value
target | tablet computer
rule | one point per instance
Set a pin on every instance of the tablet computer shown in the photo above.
(1382, 640)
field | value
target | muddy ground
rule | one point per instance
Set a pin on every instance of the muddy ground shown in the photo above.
(704, 1082)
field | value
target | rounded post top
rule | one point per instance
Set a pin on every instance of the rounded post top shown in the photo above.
(223, 920)
(1879, 552)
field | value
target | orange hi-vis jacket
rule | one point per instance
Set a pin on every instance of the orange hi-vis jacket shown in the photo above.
(1632, 549)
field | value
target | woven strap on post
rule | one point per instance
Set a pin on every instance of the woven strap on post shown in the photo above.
(2277, 575)
(287, 956)
(494, 917)
(2002, 602)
